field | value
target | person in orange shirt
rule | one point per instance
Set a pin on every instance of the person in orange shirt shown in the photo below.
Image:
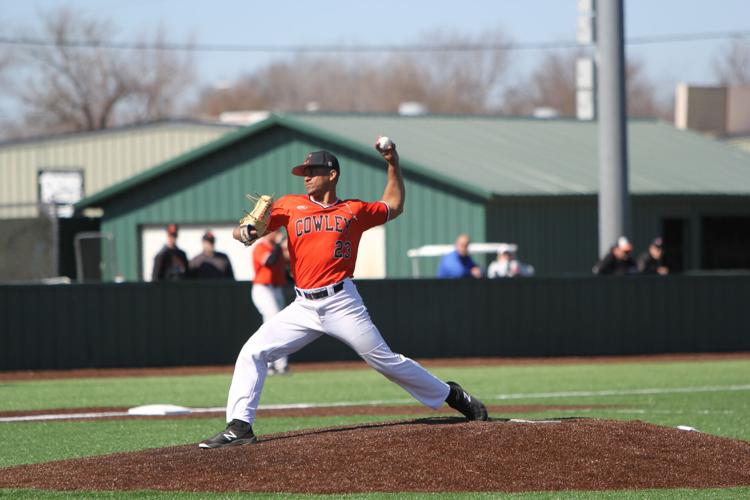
(324, 234)
(269, 262)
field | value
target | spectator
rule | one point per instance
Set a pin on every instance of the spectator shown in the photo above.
(458, 263)
(211, 264)
(650, 261)
(269, 261)
(507, 266)
(170, 263)
(500, 268)
(618, 261)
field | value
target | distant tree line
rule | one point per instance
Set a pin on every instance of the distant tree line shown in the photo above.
(68, 88)
(64, 88)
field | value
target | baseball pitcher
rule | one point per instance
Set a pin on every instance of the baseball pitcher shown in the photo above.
(324, 233)
(269, 262)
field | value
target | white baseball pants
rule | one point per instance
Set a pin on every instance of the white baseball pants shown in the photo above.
(269, 300)
(342, 316)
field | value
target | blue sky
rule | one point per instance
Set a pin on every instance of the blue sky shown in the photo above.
(286, 22)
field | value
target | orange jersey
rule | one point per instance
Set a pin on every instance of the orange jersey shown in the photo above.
(323, 240)
(267, 275)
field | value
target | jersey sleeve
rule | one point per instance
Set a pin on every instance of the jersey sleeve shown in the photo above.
(260, 255)
(279, 214)
(373, 214)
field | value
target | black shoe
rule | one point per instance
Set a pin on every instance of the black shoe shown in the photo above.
(237, 433)
(460, 400)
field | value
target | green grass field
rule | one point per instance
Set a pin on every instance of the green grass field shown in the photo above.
(712, 396)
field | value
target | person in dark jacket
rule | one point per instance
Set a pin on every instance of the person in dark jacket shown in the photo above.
(618, 262)
(210, 264)
(170, 263)
(651, 261)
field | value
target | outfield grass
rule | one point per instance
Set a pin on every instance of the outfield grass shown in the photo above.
(723, 494)
(716, 409)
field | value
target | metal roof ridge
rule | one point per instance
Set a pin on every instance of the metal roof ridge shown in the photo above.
(371, 152)
(713, 141)
(176, 162)
(112, 130)
(463, 116)
(244, 132)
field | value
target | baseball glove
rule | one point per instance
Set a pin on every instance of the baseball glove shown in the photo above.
(257, 218)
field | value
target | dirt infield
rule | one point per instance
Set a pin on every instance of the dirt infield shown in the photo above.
(346, 365)
(429, 454)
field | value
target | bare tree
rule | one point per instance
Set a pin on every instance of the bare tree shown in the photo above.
(7, 127)
(6, 60)
(333, 84)
(732, 66)
(445, 81)
(461, 81)
(553, 84)
(242, 95)
(77, 84)
(642, 101)
(162, 78)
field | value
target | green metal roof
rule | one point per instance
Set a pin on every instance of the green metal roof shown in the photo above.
(742, 142)
(508, 156)
(525, 156)
(84, 134)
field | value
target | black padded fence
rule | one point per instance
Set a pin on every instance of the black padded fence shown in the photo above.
(205, 323)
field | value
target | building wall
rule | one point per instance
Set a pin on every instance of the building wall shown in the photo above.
(556, 235)
(212, 189)
(559, 235)
(106, 157)
(738, 110)
(701, 108)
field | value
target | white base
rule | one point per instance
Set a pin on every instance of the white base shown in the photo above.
(687, 428)
(159, 409)
(523, 421)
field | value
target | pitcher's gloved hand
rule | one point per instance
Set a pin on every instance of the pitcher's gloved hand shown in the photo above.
(254, 223)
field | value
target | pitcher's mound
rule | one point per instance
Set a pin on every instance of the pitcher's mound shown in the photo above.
(433, 454)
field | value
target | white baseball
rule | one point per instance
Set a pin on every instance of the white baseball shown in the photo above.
(385, 143)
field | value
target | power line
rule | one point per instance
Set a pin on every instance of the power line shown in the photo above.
(225, 47)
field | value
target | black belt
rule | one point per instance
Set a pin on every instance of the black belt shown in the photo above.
(320, 293)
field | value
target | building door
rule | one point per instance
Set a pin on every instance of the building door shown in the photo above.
(676, 244)
(725, 242)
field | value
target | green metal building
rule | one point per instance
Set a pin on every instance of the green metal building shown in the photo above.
(526, 181)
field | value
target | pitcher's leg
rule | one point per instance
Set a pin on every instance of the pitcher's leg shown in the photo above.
(285, 333)
(281, 365)
(269, 300)
(351, 324)
(415, 379)
(266, 301)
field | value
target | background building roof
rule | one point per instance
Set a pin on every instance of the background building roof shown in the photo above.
(175, 123)
(510, 156)
(103, 157)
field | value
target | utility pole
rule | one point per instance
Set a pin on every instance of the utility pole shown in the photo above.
(614, 201)
(585, 65)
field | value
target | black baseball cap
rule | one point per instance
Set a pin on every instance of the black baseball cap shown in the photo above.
(209, 236)
(317, 159)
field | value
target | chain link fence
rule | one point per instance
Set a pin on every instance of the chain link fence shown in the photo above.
(40, 247)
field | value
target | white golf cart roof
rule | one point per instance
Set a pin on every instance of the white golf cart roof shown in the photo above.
(442, 249)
